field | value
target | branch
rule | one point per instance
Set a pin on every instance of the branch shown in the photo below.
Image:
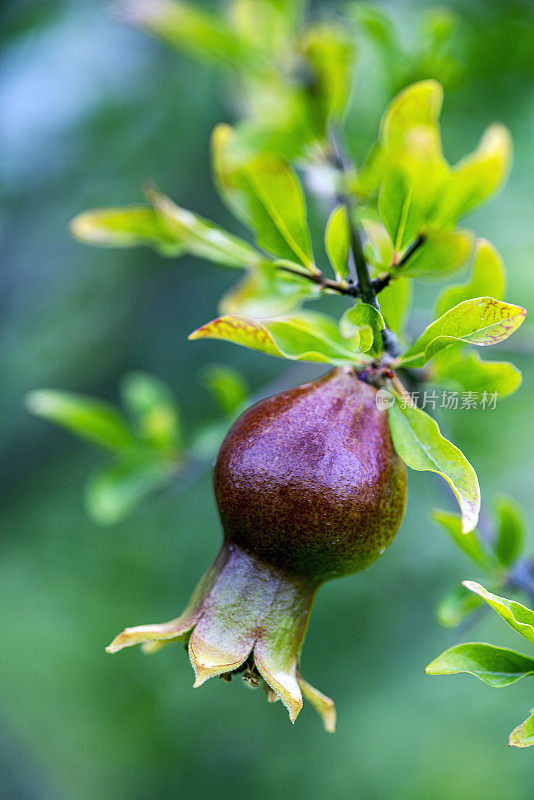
(357, 263)
(349, 290)
(415, 245)
(325, 283)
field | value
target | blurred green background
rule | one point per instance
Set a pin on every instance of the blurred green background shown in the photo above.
(88, 110)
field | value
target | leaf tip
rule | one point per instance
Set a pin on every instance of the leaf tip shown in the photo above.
(473, 586)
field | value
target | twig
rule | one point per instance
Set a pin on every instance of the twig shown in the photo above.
(325, 283)
(349, 290)
(415, 245)
(357, 263)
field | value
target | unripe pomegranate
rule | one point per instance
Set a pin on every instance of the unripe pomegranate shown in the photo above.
(309, 488)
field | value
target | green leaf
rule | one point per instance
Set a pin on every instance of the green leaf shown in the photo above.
(523, 735)
(268, 23)
(129, 226)
(228, 156)
(329, 51)
(418, 441)
(468, 542)
(410, 142)
(228, 386)
(268, 291)
(455, 606)
(378, 247)
(90, 419)
(488, 279)
(114, 491)
(477, 176)
(155, 412)
(395, 302)
(439, 26)
(496, 666)
(337, 240)
(397, 209)
(168, 229)
(377, 26)
(202, 238)
(188, 28)
(268, 195)
(442, 252)
(416, 106)
(518, 616)
(363, 321)
(466, 370)
(483, 321)
(510, 530)
(305, 336)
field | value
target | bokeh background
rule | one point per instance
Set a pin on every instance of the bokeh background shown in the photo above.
(88, 110)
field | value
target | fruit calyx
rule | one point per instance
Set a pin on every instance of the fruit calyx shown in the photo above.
(248, 618)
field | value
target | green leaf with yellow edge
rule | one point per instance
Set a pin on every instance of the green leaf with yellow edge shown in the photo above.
(483, 321)
(268, 291)
(496, 666)
(455, 606)
(189, 28)
(410, 142)
(337, 240)
(510, 530)
(227, 385)
(395, 302)
(115, 490)
(488, 279)
(203, 238)
(127, 226)
(477, 176)
(397, 209)
(267, 194)
(278, 209)
(366, 323)
(468, 542)
(441, 253)
(155, 413)
(305, 336)
(418, 441)
(416, 106)
(463, 369)
(90, 419)
(523, 735)
(518, 616)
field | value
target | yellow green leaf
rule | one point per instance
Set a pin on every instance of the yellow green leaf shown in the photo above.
(418, 440)
(483, 321)
(488, 278)
(305, 336)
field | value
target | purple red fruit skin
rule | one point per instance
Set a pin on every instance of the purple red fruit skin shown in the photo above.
(309, 488)
(308, 480)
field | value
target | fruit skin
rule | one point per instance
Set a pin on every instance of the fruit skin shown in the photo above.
(309, 488)
(308, 480)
